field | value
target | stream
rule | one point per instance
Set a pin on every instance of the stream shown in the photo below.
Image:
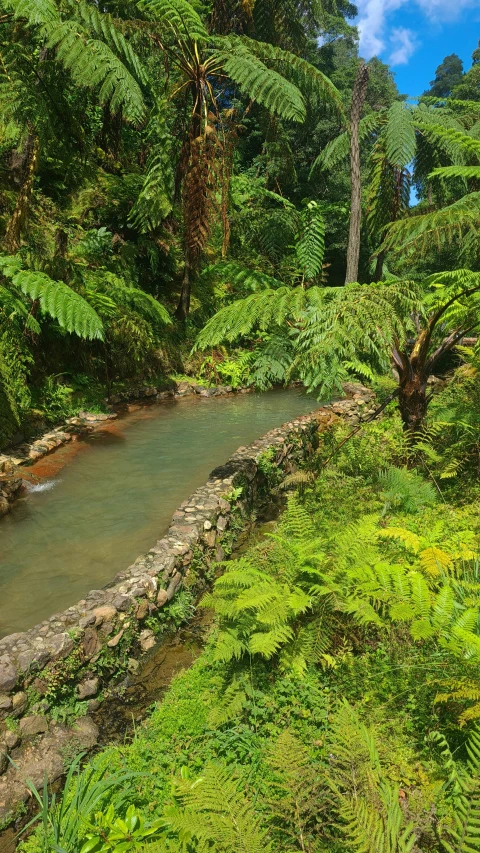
(96, 504)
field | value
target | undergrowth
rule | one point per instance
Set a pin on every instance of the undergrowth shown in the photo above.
(336, 705)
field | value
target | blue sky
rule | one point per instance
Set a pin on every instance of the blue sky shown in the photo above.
(413, 36)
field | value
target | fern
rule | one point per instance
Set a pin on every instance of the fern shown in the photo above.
(264, 85)
(465, 837)
(308, 78)
(338, 148)
(214, 810)
(400, 142)
(368, 804)
(179, 15)
(405, 490)
(68, 308)
(310, 247)
(94, 65)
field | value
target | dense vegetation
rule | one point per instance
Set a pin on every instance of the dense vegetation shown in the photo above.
(162, 160)
(336, 704)
(222, 187)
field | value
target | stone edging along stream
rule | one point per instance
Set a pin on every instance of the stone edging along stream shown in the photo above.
(75, 653)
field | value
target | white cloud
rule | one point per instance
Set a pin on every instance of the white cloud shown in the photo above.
(373, 24)
(404, 44)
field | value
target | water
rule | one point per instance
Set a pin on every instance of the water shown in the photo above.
(87, 520)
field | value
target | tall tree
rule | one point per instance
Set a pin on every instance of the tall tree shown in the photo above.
(448, 75)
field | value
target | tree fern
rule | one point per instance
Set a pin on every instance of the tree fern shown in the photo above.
(94, 65)
(179, 15)
(400, 142)
(338, 148)
(264, 85)
(310, 247)
(308, 78)
(68, 308)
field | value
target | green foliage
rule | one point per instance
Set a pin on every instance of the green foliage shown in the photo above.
(405, 491)
(56, 299)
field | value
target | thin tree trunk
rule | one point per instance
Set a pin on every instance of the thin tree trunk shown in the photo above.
(379, 266)
(358, 100)
(183, 307)
(17, 219)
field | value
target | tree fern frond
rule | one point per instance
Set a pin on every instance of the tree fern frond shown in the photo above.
(59, 301)
(178, 15)
(338, 148)
(310, 79)
(310, 247)
(278, 95)
(438, 228)
(94, 65)
(400, 142)
(465, 172)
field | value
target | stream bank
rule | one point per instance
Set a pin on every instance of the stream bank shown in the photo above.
(77, 653)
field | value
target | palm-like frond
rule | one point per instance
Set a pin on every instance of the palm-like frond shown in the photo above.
(400, 142)
(179, 15)
(277, 94)
(337, 150)
(310, 247)
(56, 299)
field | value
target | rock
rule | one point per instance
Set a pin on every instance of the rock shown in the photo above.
(91, 643)
(116, 639)
(86, 732)
(60, 645)
(224, 505)
(222, 523)
(88, 688)
(4, 762)
(4, 507)
(12, 739)
(210, 538)
(33, 659)
(32, 726)
(104, 614)
(93, 705)
(133, 665)
(8, 675)
(162, 597)
(5, 702)
(121, 602)
(147, 640)
(142, 611)
(85, 621)
(207, 525)
(19, 704)
(174, 584)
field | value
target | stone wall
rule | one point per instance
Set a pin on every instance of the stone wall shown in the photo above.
(75, 653)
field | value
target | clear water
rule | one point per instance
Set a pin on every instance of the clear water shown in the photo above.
(84, 522)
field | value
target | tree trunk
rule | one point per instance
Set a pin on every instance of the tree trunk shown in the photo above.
(412, 402)
(358, 100)
(15, 223)
(379, 266)
(183, 306)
